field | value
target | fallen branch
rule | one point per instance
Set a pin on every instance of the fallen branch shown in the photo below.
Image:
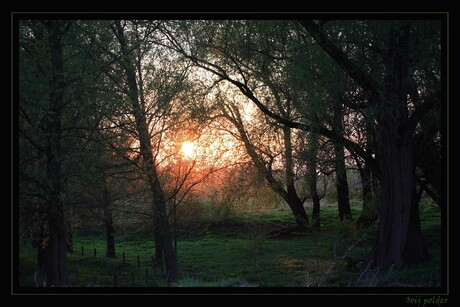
(281, 232)
(369, 264)
(348, 249)
(345, 256)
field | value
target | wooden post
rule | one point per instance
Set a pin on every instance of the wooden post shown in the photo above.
(138, 261)
(82, 252)
(94, 252)
(123, 257)
(115, 283)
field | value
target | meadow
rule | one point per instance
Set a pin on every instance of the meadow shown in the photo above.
(247, 250)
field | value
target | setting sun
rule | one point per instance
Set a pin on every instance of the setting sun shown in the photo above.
(188, 149)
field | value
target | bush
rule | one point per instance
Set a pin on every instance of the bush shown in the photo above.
(190, 213)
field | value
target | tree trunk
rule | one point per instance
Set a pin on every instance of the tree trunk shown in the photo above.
(369, 214)
(399, 237)
(39, 245)
(289, 195)
(56, 253)
(416, 251)
(296, 205)
(69, 238)
(343, 197)
(312, 179)
(162, 233)
(293, 200)
(158, 247)
(110, 234)
(371, 191)
(316, 219)
(428, 159)
(108, 220)
(428, 150)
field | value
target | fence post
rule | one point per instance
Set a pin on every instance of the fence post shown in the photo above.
(123, 257)
(154, 266)
(94, 252)
(82, 252)
(138, 261)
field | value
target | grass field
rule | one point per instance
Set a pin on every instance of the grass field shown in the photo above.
(240, 252)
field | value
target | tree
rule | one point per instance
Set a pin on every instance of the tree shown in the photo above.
(370, 185)
(103, 181)
(56, 264)
(227, 42)
(385, 85)
(399, 238)
(343, 197)
(193, 152)
(312, 156)
(286, 190)
(163, 238)
(55, 82)
(143, 97)
(46, 41)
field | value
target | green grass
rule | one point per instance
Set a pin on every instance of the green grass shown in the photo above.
(226, 254)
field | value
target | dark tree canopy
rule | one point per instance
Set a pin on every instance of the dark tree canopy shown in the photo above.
(105, 109)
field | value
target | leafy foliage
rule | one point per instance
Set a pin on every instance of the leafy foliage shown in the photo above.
(105, 106)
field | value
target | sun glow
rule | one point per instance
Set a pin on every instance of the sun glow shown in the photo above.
(188, 149)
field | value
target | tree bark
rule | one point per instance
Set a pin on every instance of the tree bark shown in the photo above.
(109, 227)
(159, 255)
(369, 214)
(399, 236)
(428, 148)
(110, 235)
(69, 238)
(428, 160)
(39, 244)
(56, 251)
(293, 199)
(312, 159)
(343, 196)
(163, 232)
(295, 203)
(371, 190)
